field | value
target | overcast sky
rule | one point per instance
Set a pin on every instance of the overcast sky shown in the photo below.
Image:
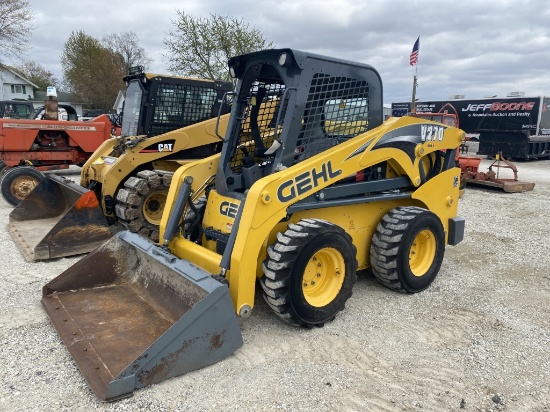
(472, 48)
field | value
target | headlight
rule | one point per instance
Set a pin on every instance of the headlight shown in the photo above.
(284, 59)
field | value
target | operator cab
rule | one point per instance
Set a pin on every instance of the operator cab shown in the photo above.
(337, 101)
(156, 104)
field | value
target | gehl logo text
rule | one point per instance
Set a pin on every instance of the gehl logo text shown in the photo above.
(306, 181)
(229, 209)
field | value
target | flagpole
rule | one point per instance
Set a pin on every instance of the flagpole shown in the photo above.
(415, 79)
(413, 109)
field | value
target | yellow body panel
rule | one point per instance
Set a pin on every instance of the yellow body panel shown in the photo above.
(265, 208)
(111, 168)
(359, 221)
(202, 172)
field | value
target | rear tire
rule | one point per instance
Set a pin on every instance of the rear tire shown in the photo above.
(3, 169)
(407, 249)
(18, 182)
(309, 272)
(141, 202)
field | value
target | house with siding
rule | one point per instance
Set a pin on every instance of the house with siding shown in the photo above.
(16, 87)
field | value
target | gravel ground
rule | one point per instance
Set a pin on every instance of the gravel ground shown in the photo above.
(477, 340)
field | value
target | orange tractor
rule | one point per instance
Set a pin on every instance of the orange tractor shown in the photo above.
(155, 105)
(39, 145)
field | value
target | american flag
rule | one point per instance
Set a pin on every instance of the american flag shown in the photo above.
(414, 54)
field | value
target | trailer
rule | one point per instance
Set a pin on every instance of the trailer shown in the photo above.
(518, 126)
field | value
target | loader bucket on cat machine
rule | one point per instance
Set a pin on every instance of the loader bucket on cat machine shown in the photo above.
(58, 218)
(132, 314)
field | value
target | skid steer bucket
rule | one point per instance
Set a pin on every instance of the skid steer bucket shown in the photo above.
(132, 315)
(58, 218)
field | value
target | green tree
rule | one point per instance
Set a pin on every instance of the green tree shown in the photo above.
(38, 75)
(92, 71)
(15, 27)
(200, 47)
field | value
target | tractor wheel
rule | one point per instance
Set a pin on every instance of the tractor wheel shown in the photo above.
(18, 182)
(309, 272)
(407, 249)
(141, 201)
(3, 168)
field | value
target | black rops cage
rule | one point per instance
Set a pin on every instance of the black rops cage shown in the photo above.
(159, 104)
(290, 106)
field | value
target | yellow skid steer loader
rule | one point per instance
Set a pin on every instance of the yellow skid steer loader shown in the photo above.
(301, 205)
(167, 121)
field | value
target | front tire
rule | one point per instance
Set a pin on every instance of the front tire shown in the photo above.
(407, 249)
(18, 182)
(309, 272)
(141, 202)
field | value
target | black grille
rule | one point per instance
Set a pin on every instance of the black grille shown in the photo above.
(336, 109)
(181, 105)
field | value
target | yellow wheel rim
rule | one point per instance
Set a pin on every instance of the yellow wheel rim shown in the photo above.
(323, 277)
(422, 253)
(22, 186)
(154, 206)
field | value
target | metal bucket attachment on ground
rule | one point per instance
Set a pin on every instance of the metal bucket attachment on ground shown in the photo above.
(513, 186)
(132, 315)
(472, 175)
(58, 218)
(508, 185)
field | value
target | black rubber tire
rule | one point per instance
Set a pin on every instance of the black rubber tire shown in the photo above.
(18, 182)
(393, 249)
(141, 201)
(3, 169)
(286, 272)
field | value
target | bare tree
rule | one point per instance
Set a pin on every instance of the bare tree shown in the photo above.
(15, 27)
(127, 46)
(201, 47)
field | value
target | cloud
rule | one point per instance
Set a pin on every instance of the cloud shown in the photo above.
(470, 47)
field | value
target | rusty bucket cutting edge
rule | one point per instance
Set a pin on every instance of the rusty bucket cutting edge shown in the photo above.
(58, 218)
(507, 185)
(132, 315)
